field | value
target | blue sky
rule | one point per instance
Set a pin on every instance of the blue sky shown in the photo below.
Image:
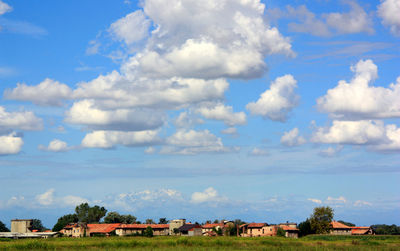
(203, 110)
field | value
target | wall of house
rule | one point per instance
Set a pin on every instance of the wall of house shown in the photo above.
(341, 231)
(195, 232)
(78, 232)
(175, 224)
(21, 226)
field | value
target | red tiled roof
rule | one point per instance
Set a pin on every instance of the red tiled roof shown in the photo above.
(211, 225)
(143, 226)
(287, 228)
(360, 230)
(102, 228)
(257, 225)
(336, 224)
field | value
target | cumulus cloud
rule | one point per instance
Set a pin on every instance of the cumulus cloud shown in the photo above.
(223, 113)
(4, 8)
(361, 203)
(85, 113)
(10, 144)
(194, 142)
(47, 93)
(317, 201)
(336, 201)
(292, 138)
(356, 20)
(230, 130)
(23, 120)
(187, 119)
(208, 195)
(55, 145)
(108, 139)
(389, 11)
(278, 101)
(131, 28)
(48, 198)
(259, 152)
(331, 151)
(359, 99)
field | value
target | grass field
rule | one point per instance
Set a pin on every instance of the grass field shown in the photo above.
(316, 242)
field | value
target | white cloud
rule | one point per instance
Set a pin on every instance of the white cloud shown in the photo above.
(361, 203)
(84, 112)
(292, 138)
(309, 22)
(4, 8)
(331, 151)
(46, 198)
(72, 200)
(354, 21)
(389, 11)
(55, 145)
(336, 201)
(187, 119)
(131, 28)
(315, 201)
(23, 120)
(223, 113)
(393, 140)
(150, 150)
(208, 195)
(47, 93)
(358, 99)
(278, 101)
(259, 152)
(10, 144)
(194, 142)
(230, 130)
(108, 139)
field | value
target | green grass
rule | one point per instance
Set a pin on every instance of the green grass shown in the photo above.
(315, 242)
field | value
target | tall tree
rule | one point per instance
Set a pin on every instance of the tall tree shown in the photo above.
(321, 220)
(3, 227)
(149, 221)
(305, 228)
(89, 214)
(347, 223)
(37, 225)
(115, 217)
(162, 221)
(64, 220)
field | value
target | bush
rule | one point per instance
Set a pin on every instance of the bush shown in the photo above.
(280, 232)
(148, 232)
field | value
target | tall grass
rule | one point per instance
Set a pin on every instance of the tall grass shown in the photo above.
(316, 242)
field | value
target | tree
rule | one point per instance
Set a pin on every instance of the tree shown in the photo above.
(349, 224)
(3, 227)
(386, 229)
(89, 214)
(148, 232)
(305, 228)
(37, 225)
(321, 220)
(64, 220)
(280, 232)
(162, 221)
(114, 217)
(149, 221)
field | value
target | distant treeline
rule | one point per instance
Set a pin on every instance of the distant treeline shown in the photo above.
(386, 229)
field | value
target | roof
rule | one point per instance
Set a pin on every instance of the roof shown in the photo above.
(188, 227)
(287, 228)
(360, 230)
(336, 224)
(212, 225)
(257, 225)
(102, 228)
(143, 226)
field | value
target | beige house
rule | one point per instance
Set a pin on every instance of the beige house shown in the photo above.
(209, 227)
(338, 228)
(132, 229)
(174, 225)
(21, 226)
(263, 229)
(190, 230)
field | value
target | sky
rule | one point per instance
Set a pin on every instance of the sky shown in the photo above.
(231, 109)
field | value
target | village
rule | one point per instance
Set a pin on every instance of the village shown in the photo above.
(22, 228)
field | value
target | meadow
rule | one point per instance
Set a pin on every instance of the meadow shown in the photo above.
(314, 242)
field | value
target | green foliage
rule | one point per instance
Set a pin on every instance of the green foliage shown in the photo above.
(89, 214)
(64, 220)
(3, 227)
(114, 217)
(37, 224)
(386, 229)
(280, 232)
(305, 228)
(148, 232)
(149, 221)
(162, 221)
(320, 220)
(176, 230)
(347, 223)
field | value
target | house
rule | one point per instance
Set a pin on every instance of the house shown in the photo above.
(190, 230)
(362, 231)
(174, 225)
(21, 226)
(255, 229)
(209, 227)
(132, 229)
(290, 232)
(338, 228)
(101, 229)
